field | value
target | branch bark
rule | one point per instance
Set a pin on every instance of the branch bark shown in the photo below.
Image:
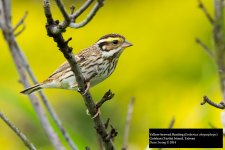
(24, 139)
(14, 48)
(219, 42)
(127, 125)
(67, 52)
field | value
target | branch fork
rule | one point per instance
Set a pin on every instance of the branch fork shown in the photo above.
(220, 105)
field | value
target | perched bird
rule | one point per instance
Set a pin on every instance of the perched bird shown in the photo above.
(96, 62)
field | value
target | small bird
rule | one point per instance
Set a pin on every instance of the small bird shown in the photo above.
(96, 62)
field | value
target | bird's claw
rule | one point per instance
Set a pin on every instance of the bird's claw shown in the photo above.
(96, 114)
(86, 90)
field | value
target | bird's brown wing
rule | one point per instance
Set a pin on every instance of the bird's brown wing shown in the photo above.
(65, 67)
(61, 68)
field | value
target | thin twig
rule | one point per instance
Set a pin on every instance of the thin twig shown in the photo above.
(219, 42)
(221, 105)
(72, 9)
(45, 101)
(21, 21)
(107, 96)
(82, 9)
(87, 148)
(100, 143)
(204, 47)
(113, 133)
(127, 125)
(67, 52)
(171, 123)
(208, 16)
(21, 31)
(14, 48)
(107, 123)
(89, 17)
(24, 139)
(63, 10)
(212, 125)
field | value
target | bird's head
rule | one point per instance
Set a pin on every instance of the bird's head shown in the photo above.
(112, 44)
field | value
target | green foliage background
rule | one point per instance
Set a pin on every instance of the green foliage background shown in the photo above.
(165, 70)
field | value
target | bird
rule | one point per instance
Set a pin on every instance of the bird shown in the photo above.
(96, 63)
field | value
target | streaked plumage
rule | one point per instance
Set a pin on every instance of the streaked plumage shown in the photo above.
(96, 63)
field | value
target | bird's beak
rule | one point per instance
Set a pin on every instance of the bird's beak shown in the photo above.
(126, 44)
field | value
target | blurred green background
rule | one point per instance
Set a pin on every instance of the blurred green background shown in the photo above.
(165, 70)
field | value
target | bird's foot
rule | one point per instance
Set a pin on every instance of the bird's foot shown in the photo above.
(96, 114)
(86, 89)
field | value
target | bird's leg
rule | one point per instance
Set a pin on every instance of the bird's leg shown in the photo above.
(88, 84)
(96, 114)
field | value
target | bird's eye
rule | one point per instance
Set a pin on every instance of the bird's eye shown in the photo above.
(115, 42)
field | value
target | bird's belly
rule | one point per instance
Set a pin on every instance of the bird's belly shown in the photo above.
(69, 83)
(97, 80)
(102, 75)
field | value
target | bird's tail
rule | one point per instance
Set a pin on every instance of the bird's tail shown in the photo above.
(32, 89)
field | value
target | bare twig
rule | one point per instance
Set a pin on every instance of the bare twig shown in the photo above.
(89, 17)
(100, 143)
(21, 21)
(212, 125)
(171, 123)
(14, 48)
(63, 10)
(24, 139)
(46, 103)
(219, 42)
(44, 99)
(82, 9)
(20, 31)
(204, 47)
(87, 148)
(113, 133)
(107, 123)
(208, 16)
(107, 96)
(127, 125)
(221, 105)
(67, 52)
(72, 8)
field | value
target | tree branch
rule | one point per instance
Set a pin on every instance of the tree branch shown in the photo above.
(21, 31)
(67, 52)
(14, 48)
(24, 139)
(208, 16)
(107, 96)
(21, 21)
(89, 17)
(204, 47)
(171, 123)
(82, 9)
(221, 105)
(128, 122)
(63, 10)
(219, 42)
(45, 101)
